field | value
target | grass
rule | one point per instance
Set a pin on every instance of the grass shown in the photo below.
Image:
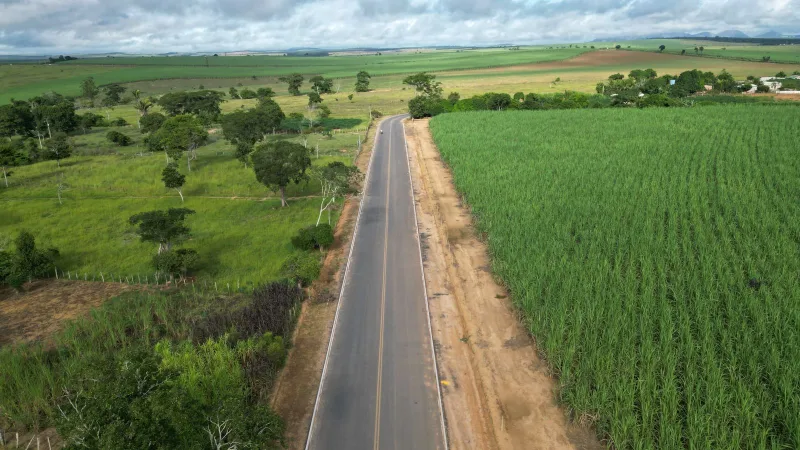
(240, 231)
(28, 80)
(653, 254)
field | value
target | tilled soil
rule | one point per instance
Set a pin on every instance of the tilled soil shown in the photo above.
(497, 392)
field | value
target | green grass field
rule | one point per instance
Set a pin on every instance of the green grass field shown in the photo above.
(28, 80)
(654, 256)
(788, 54)
(240, 231)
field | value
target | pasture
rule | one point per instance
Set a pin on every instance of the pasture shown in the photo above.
(787, 54)
(653, 256)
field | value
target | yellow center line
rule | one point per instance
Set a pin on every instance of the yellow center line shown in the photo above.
(376, 444)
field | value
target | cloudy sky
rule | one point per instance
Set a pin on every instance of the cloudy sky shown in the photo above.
(150, 26)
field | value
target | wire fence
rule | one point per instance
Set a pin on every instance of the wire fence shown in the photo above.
(155, 280)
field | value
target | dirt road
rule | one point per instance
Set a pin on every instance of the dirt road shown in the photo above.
(497, 392)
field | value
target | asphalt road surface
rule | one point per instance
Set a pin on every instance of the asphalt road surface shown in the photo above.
(379, 387)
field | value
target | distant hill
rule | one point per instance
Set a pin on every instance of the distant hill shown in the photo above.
(771, 34)
(732, 34)
(701, 34)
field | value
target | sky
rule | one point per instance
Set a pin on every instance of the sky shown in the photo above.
(44, 27)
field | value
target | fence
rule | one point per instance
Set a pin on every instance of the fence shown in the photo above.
(156, 279)
(7, 441)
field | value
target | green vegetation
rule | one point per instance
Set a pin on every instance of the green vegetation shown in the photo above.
(658, 272)
(789, 54)
(157, 367)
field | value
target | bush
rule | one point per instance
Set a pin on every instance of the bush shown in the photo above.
(174, 263)
(118, 138)
(118, 122)
(247, 94)
(376, 114)
(312, 237)
(762, 88)
(27, 262)
(301, 268)
(150, 123)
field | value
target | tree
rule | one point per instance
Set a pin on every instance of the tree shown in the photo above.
(233, 92)
(89, 90)
(164, 228)
(142, 105)
(196, 102)
(59, 147)
(780, 74)
(725, 82)
(263, 93)
(683, 51)
(112, 94)
(294, 81)
(27, 262)
(618, 47)
(424, 83)
(323, 112)
(336, 179)
(276, 164)
(350, 97)
(317, 236)
(701, 49)
(118, 138)
(245, 128)
(616, 76)
(11, 155)
(314, 99)
(16, 119)
(151, 122)
(662, 47)
(321, 85)
(302, 268)
(53, 112)
(173, 179)
(179, 134)
(174, 263)
(247, 94)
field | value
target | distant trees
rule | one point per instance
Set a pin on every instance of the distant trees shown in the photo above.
(424, 84)
(195, 102)
(294, 81)
(321, 85)
(362, 81)
(245, 128)
(113, 93)
(89, 90)
(173, 179)
(182, 133)
(276, 164)
(233, 92)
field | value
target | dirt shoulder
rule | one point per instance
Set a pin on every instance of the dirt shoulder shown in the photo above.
(296, 389)
(497, 392)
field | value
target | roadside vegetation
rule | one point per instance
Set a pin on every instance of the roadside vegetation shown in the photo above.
(657, 272)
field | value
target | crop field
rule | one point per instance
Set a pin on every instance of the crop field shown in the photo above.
(28, 80)
(789, 54)
(654, 256)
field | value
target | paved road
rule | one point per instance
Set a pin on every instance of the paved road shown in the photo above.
(379, 388)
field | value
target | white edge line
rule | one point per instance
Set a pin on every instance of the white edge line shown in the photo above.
(344, 283)
(425, 289)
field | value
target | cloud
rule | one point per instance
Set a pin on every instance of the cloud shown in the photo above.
(152, 26)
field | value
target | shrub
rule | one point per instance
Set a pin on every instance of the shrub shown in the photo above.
(780, 74)
(301, 268)
(312, 237)
(247, 94)
(762, 88)
(27, 262)
(376, 114)
(174, 263)
(118, 122)
(118, 138)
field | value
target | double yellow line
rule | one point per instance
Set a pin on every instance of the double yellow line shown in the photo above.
(377, 434)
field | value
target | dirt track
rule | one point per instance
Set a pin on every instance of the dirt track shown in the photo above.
(497, 392)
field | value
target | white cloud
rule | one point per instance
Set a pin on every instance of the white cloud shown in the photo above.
(148, 26)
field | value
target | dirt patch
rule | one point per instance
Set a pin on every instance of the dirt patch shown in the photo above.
(296, 389)
(497, 392)
(41, 310)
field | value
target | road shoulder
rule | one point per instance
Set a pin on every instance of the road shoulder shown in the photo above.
(497, 392)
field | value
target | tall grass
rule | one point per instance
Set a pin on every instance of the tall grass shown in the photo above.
(655, 256)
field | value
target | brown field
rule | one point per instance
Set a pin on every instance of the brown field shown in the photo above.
(41, 310)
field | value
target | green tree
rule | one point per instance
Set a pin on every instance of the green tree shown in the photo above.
(173, 179)
(616, 76)
(314, 99)
(263, 93)
(276, 164)
(233, 92)
(142, 105)
(662, 47)
(362, 81)
(424, 84)
(336, 180)
(89, 90)
(113, 94)
(302, 268)
(179, 134)
(617, 46)
(152, 122)
(195, 102)
(27, 262)
(11, 155)
(245, 128)
(321, 85)
(59, 147)
(780, 74)
(725, 82)
(164, 228)
(52, 113)
(119, 138)
(16, 119)
(294, 81)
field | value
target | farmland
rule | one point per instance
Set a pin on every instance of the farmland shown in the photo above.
(653, 255)
(789, 54)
